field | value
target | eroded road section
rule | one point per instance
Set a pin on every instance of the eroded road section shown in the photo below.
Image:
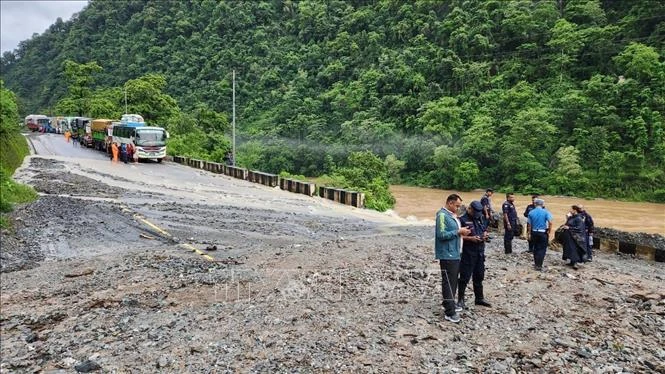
(297, 284)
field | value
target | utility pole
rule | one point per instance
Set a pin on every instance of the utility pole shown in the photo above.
(233, 162)
(125, 100)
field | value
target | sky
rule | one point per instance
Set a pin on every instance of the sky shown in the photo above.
(20, 19)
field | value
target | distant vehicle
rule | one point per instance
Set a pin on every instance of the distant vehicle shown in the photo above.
(81, 130)
(149, 141)
(132, 120)
(60, 124)
(101, 130)
(36, 122)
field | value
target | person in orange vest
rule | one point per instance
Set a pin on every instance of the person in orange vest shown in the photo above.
(67, 135)
(114, 149)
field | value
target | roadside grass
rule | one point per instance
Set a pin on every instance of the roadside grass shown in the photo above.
(13, 149)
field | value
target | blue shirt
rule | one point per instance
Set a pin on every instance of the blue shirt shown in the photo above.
(538, 218)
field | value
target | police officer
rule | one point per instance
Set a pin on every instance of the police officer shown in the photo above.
(509, 222)
(473, 255)
(486, 202)
(528, 209)
(539, 225)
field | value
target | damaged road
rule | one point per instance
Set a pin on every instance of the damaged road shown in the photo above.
(294, 284)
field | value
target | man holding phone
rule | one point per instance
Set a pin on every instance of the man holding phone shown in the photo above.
(447, 247)
(472, 262)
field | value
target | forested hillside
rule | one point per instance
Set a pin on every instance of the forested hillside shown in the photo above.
(554, 96)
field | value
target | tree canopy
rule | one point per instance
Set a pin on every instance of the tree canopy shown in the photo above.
(559, 97)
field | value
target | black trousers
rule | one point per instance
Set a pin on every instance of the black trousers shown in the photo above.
(509, 234)
(472, 265)
(539, 240)
(449, 273)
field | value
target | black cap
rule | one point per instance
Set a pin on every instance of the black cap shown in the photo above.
(477, 208)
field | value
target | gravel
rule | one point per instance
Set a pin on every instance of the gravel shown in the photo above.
(87, 287)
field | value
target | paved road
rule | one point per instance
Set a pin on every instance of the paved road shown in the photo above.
(55, 145)
(176, 201)
(178, 183)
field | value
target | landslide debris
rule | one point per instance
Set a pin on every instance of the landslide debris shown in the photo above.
(303, 292)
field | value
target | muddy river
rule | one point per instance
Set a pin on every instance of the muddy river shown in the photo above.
(627, 216)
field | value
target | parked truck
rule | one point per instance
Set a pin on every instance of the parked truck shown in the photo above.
(101, 129)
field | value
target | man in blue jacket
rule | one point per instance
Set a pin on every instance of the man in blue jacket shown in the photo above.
(447, 248)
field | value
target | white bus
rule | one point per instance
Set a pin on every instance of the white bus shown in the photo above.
(36, 122)
(149, 142)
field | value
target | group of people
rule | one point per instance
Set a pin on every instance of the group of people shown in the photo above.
(460, 242)
(124, 150)
(460, 249)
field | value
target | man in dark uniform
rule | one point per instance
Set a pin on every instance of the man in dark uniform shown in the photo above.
(509, 222)
(528, 209)
(486, 202)
(473, 255)
(588, 224)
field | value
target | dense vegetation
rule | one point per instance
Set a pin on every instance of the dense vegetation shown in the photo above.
(555, 96)
(13, 148)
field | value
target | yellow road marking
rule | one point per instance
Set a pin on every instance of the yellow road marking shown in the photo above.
(140, 218)
(198, 251)
(136, 216)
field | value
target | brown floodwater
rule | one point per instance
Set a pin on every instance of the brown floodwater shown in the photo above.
(626, 216)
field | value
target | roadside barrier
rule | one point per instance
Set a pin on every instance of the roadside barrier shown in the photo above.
(180, 159)
(196, 163)
(339, 195)
(266, 179)
(293, 185)
(236, 172)
(353, 198)
(641, 251)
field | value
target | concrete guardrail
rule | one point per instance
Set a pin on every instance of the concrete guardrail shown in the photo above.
(353, 198)
(339, 195)
(293, 185)
(265, 179)
(641, 251)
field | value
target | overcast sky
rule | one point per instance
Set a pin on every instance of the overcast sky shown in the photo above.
(20, 19)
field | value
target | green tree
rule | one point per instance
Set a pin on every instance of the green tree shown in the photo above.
(442, 118)
(8, 111)
(368, 173)
(640, 62)
(145, 96)
(80, 79)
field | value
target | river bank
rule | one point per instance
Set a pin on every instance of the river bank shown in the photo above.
(422, 203)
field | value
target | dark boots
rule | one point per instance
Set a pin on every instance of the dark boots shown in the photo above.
(460, 298)
(480, 299)
(508, 246)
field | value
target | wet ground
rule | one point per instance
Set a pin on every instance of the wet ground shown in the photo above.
(289, 283)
